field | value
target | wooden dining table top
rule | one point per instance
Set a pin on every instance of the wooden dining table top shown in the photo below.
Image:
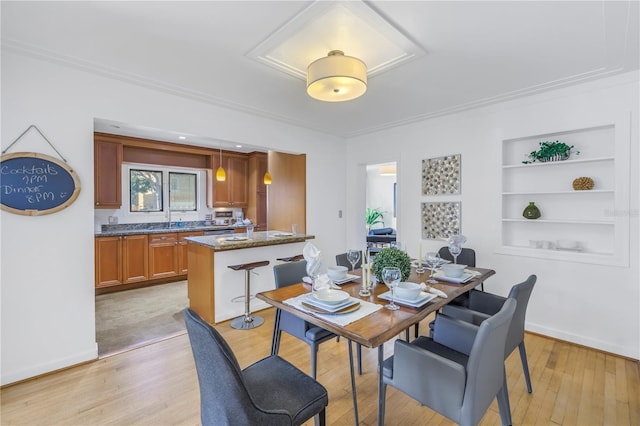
(374, 329)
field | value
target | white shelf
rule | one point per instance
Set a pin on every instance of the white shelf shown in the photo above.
(565, 221)
(572, 192)
(588, 216)
(557, 163)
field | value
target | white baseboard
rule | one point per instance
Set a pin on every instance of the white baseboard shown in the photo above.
(625, 351)
(9, 377)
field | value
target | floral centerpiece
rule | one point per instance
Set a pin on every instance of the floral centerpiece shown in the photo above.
(391, 256)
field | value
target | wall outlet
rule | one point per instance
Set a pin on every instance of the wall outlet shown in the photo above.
(339, 214)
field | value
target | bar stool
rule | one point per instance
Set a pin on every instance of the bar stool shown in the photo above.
(291, 258)
(247, 321)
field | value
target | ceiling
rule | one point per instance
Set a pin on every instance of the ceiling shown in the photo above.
(442, 56)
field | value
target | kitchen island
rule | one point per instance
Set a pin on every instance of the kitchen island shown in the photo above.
(216, 291)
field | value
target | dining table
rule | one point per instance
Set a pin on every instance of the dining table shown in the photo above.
(374, 325)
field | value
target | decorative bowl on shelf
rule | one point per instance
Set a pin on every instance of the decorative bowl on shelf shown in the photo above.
(583, 183)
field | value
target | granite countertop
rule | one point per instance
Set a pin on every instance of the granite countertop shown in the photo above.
(240, 241)
(160, 228)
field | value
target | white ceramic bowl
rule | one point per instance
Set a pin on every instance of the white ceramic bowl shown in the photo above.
(453, 270)
(331, 296)
(337, 272)
(408, 291)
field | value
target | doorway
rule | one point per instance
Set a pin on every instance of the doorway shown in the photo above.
(381, 205)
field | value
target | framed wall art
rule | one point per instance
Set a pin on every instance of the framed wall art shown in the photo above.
(440, 220)
(441, 175)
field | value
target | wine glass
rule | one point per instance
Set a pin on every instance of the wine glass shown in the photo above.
(433, 259)
(455, 250)
(353, 256)
(391, 277)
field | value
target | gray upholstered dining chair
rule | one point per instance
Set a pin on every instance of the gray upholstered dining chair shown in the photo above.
(458, 372)
(287, 274)
(466, 257)
(341, 260)
(482, 305)
(271, 391)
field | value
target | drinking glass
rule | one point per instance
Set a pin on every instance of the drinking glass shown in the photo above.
(353, 256)
(433, 260)
(455, 250)
(391, 277)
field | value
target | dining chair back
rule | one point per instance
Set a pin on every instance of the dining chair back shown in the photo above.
(458, 372)
(466, 257)
(286, 274)
(341, 260)
(482, 305)
(271, 391)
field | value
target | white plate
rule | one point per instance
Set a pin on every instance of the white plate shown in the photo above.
(283, 234)
(416, 303)
(439, 275)
(346, 280)
(311, 300)
(236, 239)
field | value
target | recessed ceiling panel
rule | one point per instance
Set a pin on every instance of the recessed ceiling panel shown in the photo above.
(352, 27)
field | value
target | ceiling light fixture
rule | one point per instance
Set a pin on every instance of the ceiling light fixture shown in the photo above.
(221, 175)
(387, 170)
(336, 78)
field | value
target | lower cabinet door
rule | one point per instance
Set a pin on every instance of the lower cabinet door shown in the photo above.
(135, 258)
(163, 256)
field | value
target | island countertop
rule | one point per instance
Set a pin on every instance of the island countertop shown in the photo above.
(240, 241)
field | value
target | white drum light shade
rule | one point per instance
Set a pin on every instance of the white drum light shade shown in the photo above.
(336, 78)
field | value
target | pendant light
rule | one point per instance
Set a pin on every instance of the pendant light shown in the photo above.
(221, 176)
(267, 178)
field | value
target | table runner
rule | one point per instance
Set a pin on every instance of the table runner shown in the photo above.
(366, 308)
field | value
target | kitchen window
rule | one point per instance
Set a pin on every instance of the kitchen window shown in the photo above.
(183, 191)
(146, 190)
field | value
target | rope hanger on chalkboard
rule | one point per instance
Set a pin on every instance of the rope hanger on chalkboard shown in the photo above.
(33, 126)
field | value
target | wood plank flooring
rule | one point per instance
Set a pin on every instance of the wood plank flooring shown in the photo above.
(157, 385)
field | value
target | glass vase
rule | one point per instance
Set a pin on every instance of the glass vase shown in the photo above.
(531, 211)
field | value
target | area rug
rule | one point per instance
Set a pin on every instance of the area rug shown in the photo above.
(133, 318)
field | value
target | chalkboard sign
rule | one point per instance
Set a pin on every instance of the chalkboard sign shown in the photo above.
(36, 184)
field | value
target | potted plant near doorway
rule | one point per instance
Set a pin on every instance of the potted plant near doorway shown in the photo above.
(374, 217)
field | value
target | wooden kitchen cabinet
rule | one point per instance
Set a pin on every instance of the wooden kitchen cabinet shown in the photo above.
(231, 192)
(182, 249)
(257, 208)
(107, 157)
(121, 260)
(163, 255)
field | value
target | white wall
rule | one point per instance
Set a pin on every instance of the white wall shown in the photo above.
(593, 305)
(47, 276)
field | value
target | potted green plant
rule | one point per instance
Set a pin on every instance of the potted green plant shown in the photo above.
(550, 151)
(391, 256)
(374, 216)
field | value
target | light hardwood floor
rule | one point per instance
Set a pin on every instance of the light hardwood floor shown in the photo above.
(157, 385)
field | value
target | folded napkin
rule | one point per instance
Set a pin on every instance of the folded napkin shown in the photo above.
(456, 240)
(313, 256)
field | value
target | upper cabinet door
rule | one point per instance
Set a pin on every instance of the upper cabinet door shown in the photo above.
(107, 180)
(232, 192)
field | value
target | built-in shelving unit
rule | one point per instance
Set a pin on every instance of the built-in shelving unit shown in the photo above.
(594, 220)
